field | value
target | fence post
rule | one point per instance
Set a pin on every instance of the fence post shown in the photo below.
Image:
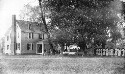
(119, 52)
(116, 52)
(99, 51)
(106, 52)
(111, 52)
(123, 52)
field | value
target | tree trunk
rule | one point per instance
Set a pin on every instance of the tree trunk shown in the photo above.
(46, 29)
(62, 49)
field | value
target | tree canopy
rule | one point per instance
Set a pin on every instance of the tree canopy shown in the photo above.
(85, 17)
(80, 21)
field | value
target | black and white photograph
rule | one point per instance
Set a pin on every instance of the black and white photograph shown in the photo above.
(62, 36)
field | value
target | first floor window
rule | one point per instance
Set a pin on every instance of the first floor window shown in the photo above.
(18, 46)
(7, 38)
(41, 36)
(30, 46)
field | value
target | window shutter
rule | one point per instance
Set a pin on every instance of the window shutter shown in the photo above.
(27, 46)
(29, 36)
(32, 46)
(29, 26)
(32, 35)
(43, 35)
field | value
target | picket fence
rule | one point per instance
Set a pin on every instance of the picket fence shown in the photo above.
(110, 52)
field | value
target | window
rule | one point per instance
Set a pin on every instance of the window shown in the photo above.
(39, 48)
(18, 46)
(30, 35)
(41, 36)
(18, 35)
(29, 26)
(7, 47)
(7, 38)
(30, 46)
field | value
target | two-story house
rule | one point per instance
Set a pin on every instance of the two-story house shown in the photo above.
(25, 37)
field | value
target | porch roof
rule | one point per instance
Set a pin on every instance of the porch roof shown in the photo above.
(43, 41)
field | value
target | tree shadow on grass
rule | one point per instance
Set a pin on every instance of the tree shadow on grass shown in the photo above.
(2, 69)
(120, 70)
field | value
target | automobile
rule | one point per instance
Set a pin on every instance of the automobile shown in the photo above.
(70, 52)
(73, 50)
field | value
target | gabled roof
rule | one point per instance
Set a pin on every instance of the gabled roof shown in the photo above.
(45, 41)
(35, 27)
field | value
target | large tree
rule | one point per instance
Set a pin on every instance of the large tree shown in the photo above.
(86, 19)
(30, 13)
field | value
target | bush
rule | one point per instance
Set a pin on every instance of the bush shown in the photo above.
(110, 45)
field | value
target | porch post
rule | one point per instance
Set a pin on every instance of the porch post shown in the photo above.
(123, 52)
(36, 49)
(42, 48)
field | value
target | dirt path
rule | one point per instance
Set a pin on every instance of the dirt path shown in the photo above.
(63, 65)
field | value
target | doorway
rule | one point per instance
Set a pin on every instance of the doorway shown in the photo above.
(39, 48)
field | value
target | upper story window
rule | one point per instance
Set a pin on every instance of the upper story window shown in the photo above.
(18, 35)
(29, 26)
(7, 38)
(30, 35)
(30, 46)
(41, 36)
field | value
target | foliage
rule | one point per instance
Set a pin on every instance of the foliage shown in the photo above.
(81, 21)
(86, 19)
(30, 13)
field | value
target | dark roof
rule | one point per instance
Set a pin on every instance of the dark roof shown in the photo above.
(24, 27)
(35, 27)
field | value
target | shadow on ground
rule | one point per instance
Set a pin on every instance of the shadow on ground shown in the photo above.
(120, 70)
(65, 65)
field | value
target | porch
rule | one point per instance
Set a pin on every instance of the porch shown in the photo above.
(42, 46)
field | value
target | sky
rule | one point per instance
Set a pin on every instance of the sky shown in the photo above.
(9, 8)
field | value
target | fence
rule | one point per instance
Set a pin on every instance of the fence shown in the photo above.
(110, 52)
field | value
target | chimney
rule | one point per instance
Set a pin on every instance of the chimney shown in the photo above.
(14, 34)
(13, 19)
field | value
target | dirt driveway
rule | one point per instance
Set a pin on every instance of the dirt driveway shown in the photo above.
(61, 65)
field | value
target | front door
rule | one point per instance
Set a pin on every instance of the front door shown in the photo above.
(39, 48)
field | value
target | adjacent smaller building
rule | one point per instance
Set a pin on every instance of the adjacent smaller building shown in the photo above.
(25, 37)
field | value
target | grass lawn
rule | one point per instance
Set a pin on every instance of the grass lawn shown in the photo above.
(62, 65)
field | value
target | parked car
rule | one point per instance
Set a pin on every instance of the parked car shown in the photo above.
(73, 50)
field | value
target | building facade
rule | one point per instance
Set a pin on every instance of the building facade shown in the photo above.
(25, 37)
